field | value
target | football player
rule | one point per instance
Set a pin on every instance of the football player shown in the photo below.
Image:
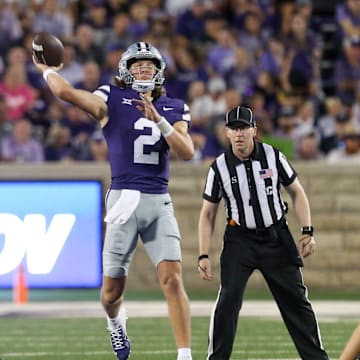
(140, 124)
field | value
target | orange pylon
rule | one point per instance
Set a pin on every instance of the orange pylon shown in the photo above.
(20, 289)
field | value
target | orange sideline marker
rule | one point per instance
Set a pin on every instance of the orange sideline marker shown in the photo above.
(20, 289)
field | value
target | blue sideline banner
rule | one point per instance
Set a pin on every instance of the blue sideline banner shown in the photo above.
(53, 229)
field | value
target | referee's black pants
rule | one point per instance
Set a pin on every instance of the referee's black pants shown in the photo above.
(242, 253)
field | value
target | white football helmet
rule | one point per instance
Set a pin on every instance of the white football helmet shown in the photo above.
(141, 51)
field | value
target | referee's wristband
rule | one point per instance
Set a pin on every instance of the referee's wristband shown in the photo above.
(165, 127)
(47, 72)
(203, 256)
(307, 230)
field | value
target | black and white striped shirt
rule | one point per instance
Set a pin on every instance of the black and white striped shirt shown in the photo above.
(250, 188)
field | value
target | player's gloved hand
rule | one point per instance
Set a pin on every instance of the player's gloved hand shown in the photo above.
(204, 269)
(306, 245)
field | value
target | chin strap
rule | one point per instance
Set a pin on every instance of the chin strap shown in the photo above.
(143, 86)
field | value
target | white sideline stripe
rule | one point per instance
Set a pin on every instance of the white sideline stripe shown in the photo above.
(88, 353)
(94, 353)
(43, 354)
(331, 310)
(50, 353)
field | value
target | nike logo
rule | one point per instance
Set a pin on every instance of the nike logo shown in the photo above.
(167, 108)
(167, 202)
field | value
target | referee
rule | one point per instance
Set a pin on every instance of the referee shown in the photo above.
(248, 176)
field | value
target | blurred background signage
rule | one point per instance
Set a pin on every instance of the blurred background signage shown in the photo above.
(53, 230)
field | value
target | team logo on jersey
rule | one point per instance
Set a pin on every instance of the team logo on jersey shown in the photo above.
(265, 173)
(126, 101)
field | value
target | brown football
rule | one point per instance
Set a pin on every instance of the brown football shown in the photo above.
(47, 49)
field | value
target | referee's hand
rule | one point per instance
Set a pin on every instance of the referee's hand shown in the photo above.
(204, 269)
(306, 245)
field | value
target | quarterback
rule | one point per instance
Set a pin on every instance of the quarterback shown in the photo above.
(140, 124)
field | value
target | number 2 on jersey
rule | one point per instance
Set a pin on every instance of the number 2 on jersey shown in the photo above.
(139, 155)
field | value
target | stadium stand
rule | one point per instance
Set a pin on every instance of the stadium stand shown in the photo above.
(275, 54)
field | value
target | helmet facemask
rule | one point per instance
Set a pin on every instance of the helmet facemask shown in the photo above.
(141, 51)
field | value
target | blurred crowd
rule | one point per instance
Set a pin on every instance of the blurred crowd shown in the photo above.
(265, 54)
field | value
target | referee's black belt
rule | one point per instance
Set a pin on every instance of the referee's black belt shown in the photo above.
(260, 231)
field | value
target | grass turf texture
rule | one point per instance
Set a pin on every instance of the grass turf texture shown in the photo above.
(94, 295)
(87, 339)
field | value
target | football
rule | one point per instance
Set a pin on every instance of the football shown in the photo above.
(47, 49)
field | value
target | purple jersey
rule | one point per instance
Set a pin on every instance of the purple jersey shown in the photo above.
(138, 153)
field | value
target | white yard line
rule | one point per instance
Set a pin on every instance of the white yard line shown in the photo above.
(324, 309)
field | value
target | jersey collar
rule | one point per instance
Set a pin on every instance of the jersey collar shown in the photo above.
(255, 155)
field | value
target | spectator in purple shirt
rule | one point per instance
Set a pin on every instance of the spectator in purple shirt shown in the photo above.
(139, 20)
(221, 56)
(252, 37)
(242, 75)
(214, 23)
(120, 31)
(21, 146)
(72, 70)
(347, 70)
(306, 9)
(58, 145)
(190, 25)
(85, 46)
(273, 57)
(268, 84)
(54, 21)
(113, 53)
(215, 144)
(302, 38)
(348, 18)
(81, 127)
(96, 15)
(305, 45)
(238, 10)
(188, 69)
(92, 74)
(10, 28)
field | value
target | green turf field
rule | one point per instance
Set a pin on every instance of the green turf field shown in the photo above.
(87, 339)
(148, 295)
